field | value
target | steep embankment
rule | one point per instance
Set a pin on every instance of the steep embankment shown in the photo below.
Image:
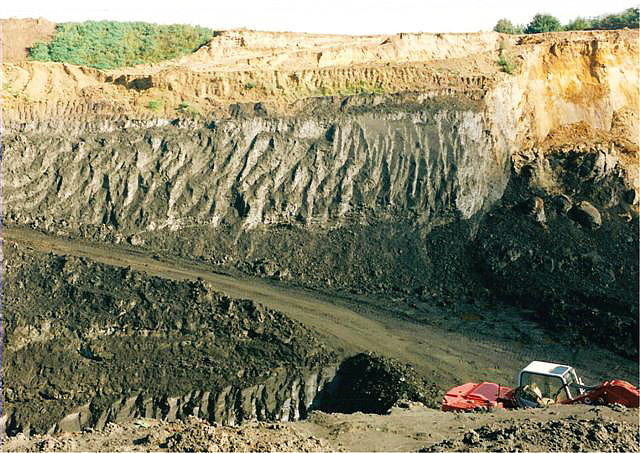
(250, 191)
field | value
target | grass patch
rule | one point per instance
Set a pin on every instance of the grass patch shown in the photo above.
(108, 44)
(155, 105)
(362, 87)
(506, 65)
(185, 109)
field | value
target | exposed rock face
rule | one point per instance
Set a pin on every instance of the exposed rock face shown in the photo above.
(567, 78)
(252, 189)
(434, 162)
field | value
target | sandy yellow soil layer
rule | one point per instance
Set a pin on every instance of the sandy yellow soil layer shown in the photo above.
(18, 35)
(558, 78)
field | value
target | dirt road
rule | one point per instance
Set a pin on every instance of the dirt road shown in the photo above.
(446, 356)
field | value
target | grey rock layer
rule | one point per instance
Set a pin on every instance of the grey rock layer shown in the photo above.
(259, 171)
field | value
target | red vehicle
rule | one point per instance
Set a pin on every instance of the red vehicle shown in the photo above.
(540, 384)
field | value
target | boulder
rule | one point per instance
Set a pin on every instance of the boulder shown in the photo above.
(563, 204)
(586, 215)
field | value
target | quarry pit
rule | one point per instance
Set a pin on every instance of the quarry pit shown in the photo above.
(393, 204)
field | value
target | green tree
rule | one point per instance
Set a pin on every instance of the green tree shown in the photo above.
(40, 52)
(505, 26)
(579, 23)
(543, 23)
(628, 18)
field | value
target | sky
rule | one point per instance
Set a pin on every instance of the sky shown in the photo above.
(326, 16)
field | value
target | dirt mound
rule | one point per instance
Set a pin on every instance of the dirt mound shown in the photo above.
(200, 436)
(566, 428)
(111, 344)
(18, 35)
(189, 435)
(601, 434)
(373, 384)
(563, 242)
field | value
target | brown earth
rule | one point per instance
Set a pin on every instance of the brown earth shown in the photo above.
(410, 427)
(18, 35)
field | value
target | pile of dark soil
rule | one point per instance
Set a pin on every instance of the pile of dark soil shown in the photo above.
(563, 244)
(80, 334)
(550, 435)
(373, 384)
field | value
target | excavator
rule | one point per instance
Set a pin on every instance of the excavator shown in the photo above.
(540, 384)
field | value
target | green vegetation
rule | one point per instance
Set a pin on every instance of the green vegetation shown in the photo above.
(629, 18)
(541, 23)
(155, 105)
(578, 24)
(505, 26)
(185, 109)
(108, 45)
(505, 64)
(249, 85)
(362, 87)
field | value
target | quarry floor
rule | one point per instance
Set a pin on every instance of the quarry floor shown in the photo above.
(409, 428)
(448, 346)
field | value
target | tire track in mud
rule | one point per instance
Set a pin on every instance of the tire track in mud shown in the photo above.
(446, 357)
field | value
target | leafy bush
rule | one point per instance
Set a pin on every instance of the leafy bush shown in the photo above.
(107, 44)
(543, 23)
(578, 23)
(628, 18)
(154, 105)
(505, 64)
(40, 52)
(505, 26)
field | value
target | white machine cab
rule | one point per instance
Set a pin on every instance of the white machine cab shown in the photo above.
(555, 381)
